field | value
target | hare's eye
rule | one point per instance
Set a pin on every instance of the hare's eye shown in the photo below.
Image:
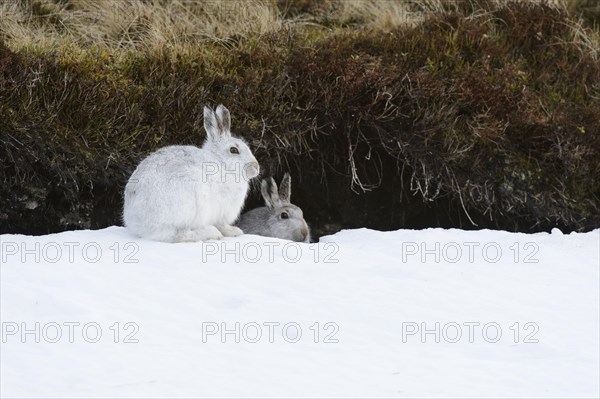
(234, 150)
(284, 215)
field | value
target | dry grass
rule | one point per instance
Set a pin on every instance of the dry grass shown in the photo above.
(147, 25)
(133, 24)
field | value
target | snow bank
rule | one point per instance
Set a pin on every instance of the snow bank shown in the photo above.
(362, 313)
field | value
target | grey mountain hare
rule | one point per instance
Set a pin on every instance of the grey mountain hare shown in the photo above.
(279, 218)
(185, 193)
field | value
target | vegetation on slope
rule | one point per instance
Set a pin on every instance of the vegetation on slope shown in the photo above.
(387, 114)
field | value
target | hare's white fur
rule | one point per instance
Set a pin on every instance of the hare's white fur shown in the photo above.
(186, 193)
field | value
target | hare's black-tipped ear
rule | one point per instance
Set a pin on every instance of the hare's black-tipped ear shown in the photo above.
(224, 120)
(285, 188)
(268, 188)
(210, 124)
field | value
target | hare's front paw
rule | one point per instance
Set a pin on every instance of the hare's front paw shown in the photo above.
(230, 231)
(199, 234)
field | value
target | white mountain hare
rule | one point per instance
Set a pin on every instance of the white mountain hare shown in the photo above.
(280, 218)
(185, 193)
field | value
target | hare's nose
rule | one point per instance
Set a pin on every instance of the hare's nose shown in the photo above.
(304, 231)
(252, 169)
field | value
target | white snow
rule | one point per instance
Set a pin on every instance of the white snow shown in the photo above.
(383, 287)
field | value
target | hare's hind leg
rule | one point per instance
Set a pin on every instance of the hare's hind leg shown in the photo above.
(202, 233)
(229, 231)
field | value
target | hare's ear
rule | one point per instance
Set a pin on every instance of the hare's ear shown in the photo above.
(268, 188)
(211, 125)
(224, 120)
(285, 188)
